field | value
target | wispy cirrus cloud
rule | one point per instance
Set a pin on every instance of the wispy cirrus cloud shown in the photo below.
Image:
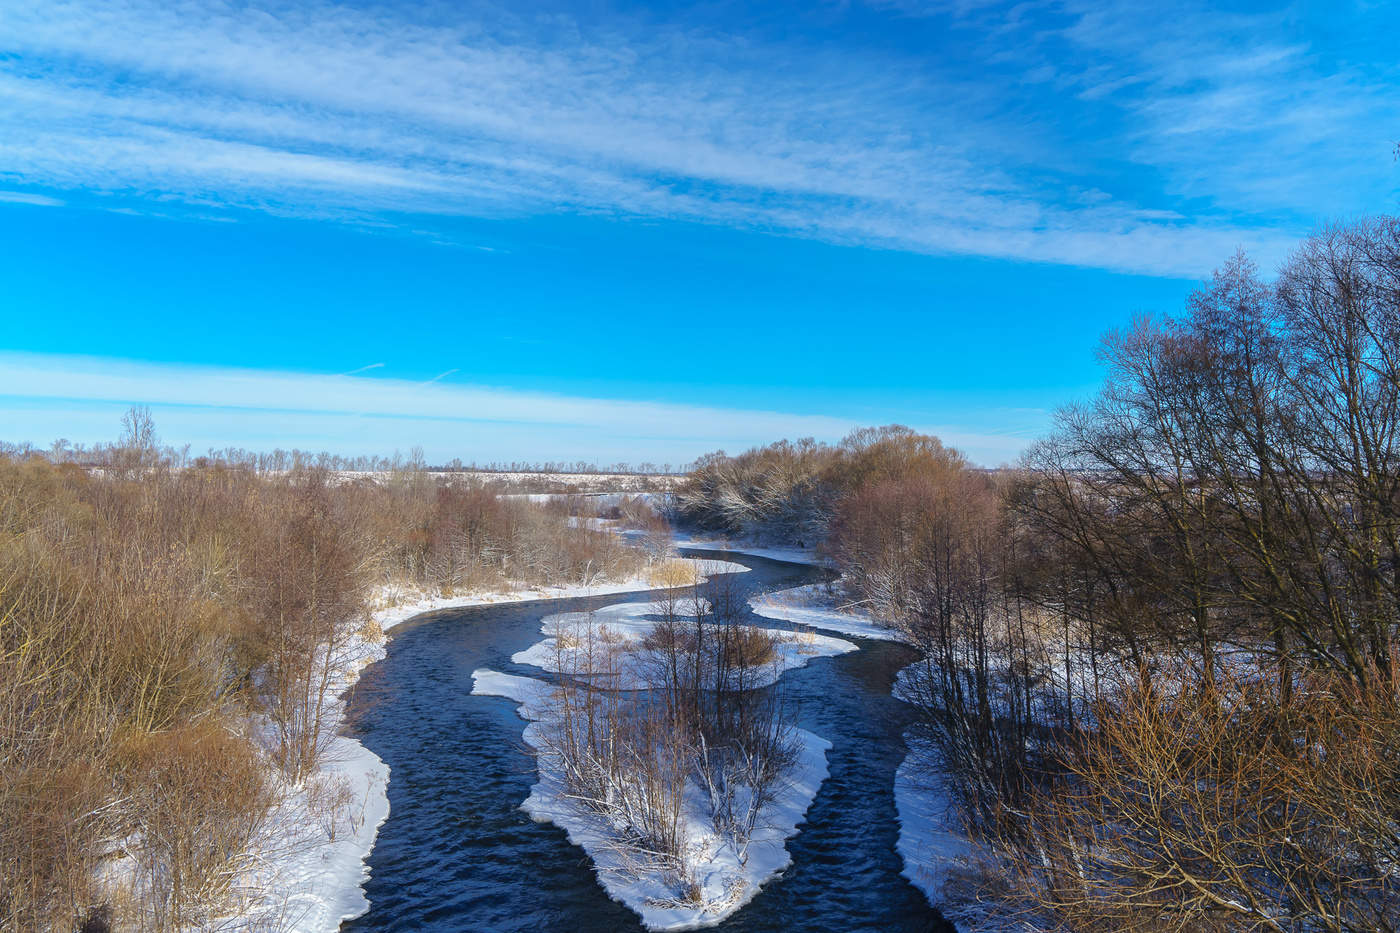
(324, 110)
(28, 197)
(346, 413)
(1280, 109)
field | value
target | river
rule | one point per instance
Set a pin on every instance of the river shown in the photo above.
(457, 853)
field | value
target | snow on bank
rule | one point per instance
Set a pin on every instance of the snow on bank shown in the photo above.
(792, 555)
(596, 499)
(937, 852)
(818, 606)
(310, 867)
(403, 603)
(725, 883)
(570, 636)
(933, 843)
(940, 857)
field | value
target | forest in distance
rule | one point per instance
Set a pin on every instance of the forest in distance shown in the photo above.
(1157, 657)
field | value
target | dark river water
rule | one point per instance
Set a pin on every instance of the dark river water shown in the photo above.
(457, 853)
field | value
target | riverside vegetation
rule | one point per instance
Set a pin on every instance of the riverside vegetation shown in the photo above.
(1160, 669)
(169, 631)
(674, 731)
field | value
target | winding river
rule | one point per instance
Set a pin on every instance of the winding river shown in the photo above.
(457, 853)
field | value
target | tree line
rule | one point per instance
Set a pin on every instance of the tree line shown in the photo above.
(279, 460)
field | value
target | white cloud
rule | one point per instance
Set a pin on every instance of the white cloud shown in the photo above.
(1275, 113)
(25, 197)
(323, 110)
(43, 397)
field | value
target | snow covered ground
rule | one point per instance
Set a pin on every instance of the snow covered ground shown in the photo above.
(793, 555)
(402, 603)
(596, 499)
(308, 872)
(933, 844)
(625, 626)
(726, 883)
(939, 854)
(310, 867)
(818, 606)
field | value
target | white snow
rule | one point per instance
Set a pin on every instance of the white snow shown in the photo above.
(818, 606)
(302, 878)
(627, 626)
(309, 865)
(532, 694)
(938, 853)
(793, 555)
(932, 841)
(402, 603)
(726, 884)
(603, 499)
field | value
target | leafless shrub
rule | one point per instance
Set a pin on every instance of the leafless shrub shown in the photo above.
(330, 803)
(635, 756)
(196, 797)
(1219, 808)
(789, 491)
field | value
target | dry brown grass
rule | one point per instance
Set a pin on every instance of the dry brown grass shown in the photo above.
(673, 572)
(747, 646)
(330, 802)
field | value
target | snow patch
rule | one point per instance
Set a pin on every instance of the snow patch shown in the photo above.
(626, 626)
(402, 603)
(940, 857)
(932, 840)
(788, 553)
(818, 606)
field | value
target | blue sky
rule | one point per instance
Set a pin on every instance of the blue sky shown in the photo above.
(619, 231)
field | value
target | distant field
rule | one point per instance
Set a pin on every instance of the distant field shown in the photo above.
(541, 482)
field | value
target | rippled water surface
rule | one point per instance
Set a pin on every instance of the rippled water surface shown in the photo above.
(458, 854)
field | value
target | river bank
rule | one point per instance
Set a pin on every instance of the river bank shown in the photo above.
(308, 871)
(935, 847)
